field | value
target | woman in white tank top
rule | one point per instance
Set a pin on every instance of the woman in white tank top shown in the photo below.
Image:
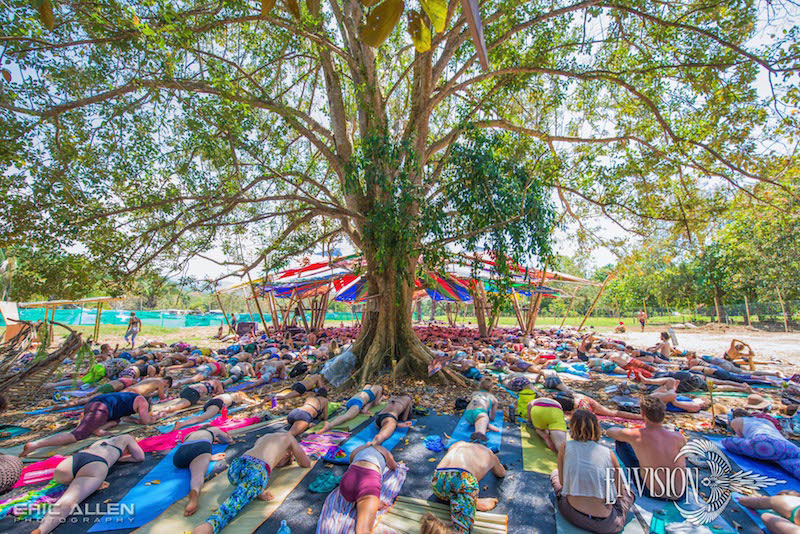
(587, 483)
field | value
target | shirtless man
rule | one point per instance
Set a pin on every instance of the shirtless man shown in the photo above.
(457, 481)
(585, 346)
(652, 450)
(642, 316)
(237, 372)
(204, 372)
(481, 411)
(396, 414)
(301, 388)
(314, 408)
(361, 402)
(740, 352)
(269, 370)
(191, 394)
(214, 406)
(149, 387)
(629, 363)
(250, 474)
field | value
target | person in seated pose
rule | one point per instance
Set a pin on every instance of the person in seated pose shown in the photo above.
(457, 481)
(584, 347)
(661, 350)
(786, 503)
(580, 484)
(191, 394)
(85, 472)
(361, 402)
(101, 413)
(740, 353)
(396, 414)
(481, 410)
(653, 450)
(250, 474)
(361, 483)
(194, 454)
(546, 416)
(214, 406)
(760, 439)
(314, 408)
(299, 389)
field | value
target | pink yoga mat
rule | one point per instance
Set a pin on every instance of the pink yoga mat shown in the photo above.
(167, 441)
(39, 471)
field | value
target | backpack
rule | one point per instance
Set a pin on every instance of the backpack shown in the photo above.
(299, 369)
(525, 396)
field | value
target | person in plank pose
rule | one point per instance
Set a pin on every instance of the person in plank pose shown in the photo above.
(481, 410)
(194, 454)
(85, 472)
(361, 402)
(250, 474)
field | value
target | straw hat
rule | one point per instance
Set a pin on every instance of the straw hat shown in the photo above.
(757, 402)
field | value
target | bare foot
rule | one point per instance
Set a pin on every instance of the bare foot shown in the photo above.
(37, 531)
(26, 450)
(485, 504)
(493, 428)
(191, 506)
(217, 457)
(204, 528)
(103, 486)
(266, 496)
(365, 411)
(405, 424)
(325, 428)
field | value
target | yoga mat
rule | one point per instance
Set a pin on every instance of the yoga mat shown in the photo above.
(281, 483)
(318, 445)
(10, 431)
(167, 441)
(764, 468)
(38, 472)
(369, 432)
(149, 501)
(631, 401)
(647, 506)
(565, 527)
(731, 394)
(463, 431)
(535, 454)
(755, 515)
(354, 423)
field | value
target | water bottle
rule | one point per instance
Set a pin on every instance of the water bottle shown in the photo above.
(658, 523)
(284, 528)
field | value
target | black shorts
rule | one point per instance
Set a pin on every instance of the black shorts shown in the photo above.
(300, 388)
(582, 356)
(381, 416)
(191, 395)
(298, 415)
(189, 451)
(214, 402)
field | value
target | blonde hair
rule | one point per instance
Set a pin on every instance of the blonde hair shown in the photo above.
(583, 426)
(432, 525)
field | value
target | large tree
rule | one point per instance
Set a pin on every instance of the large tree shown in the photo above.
(153, 131)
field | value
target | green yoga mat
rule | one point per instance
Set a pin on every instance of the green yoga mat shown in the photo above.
(350, 425)
(215, 491)
(535, 454)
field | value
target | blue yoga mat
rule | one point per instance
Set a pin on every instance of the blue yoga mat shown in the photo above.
(12, 431)
(765, 468)
(150, 501)
(631, 401)
(364, 436)
(463, 431)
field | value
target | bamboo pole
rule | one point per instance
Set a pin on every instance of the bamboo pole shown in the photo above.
(783, 309)
(247, 303)
(255, 298)
(97, 322)
(517, 311)
(224, 315)
(716, 306)
(710, 387)
(747, 310)
(302, 309)
(569, 307)
(273, 306)
(599, 293)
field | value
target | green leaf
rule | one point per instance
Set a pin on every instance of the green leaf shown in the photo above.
(381, 21)
(437, 12)
(419, 31)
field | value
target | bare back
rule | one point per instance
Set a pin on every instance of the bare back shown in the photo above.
(471, 457)
(655, 446)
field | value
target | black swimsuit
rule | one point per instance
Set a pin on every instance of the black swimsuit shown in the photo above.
(80, 459)
(190, 450)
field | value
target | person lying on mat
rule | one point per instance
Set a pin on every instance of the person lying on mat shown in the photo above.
(652, 450)
(206, 371)
(85, 472)
(760, 439)
(396, 414)
(299, 389)
(719, 374)
(95, 374)
(191, 394)
(214, 406)
(787, 505)
(194, 454)
(729, 366)
(581, 483)
(667, 389)
(237, 372)
(250, 474)
(191, 361)
(315, 408)
(602, 365)
(361, 402)
(361, 483)
(551, 380)
(688, 382)
(546, 416)
(629, 363)
(149, 387)
(101, 413)
(131, 374)
(481, 410)
(269, 370)
(457, 481)
(583, 402)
